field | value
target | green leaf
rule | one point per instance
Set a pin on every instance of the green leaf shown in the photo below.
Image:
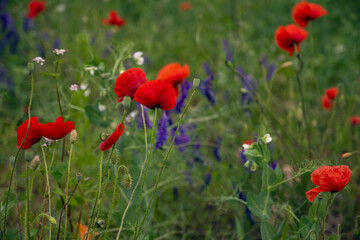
(267, 231)
(57, 191)
(58, 170)
(50, 74)
(304, 227)
(312, 210)
(95, 116)
(333, 237)
(239, 230)
(265, 152)
(260, 205)
(266, 177)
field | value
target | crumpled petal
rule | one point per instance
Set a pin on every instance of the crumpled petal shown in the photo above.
(34, 134)
(58, 129)
(311, 194)
(128, 82)
(112, 139)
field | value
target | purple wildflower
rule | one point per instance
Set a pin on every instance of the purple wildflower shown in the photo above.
(226, 46)
(249, 86)
(207, 181)
(247, 210)
(185, 87)
(41, 50)
(206, 86)
(188, 178)
(9, 32)
(216, 150)
(175, 192)
(181, 137)
(243, 160)
(140, 120)
(56, 44)
(270, 68)
(273, 165)
(162, 130)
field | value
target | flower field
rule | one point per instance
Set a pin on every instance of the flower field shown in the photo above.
(179, 119)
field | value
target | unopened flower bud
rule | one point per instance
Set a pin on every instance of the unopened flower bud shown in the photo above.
(103, 136)
(12, 160)
(114, 158)
(31, 66)
(78, 177)
(267, 138)
(346, 155)
(35, 162)
(247, 164)
(253, 167)
(73, 136)
(229, 64)
(127, 101)
(196, 82)
(286, 64)
(52, 220)
(127, 181)
(29, 154)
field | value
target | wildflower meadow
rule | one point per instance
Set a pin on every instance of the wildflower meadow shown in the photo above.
(152, 120)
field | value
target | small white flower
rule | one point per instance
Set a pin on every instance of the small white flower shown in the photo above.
(267, 138)
(102, 107)
(59, 52)
(139, 59)
(246, 146)
(74, 87)
(39, 60)
(131, 116)
(91, 69)
(87, 93)
(83, 86)
(60, 8)
(49, 141)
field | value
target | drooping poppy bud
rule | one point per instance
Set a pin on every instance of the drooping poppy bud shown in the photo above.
(128, 82)
(156, 94)
(290, 36)
(303, 12)
(33, 136)
(58, 129)
(330, 179)
(112, 139)
(175, 74)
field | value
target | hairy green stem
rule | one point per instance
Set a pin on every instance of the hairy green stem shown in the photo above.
(147, 166)
(48, 187)
(141, 172)
(164, 161)
(17, 154)
(326, 210)
(27, 225)
(67, 191)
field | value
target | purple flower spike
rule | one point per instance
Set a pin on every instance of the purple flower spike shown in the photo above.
(181, 137)
(185, 87)
(206, 86)
(162, 131)
(216, 150)
(140, 120)
(226, 46)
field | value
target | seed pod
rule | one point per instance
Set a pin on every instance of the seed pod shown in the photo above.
(34, 164)
(73, 136)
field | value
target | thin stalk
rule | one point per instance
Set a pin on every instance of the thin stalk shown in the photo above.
(18, 208)
(27, 225)
(113, 198)
(286, 180)
(98, 192)
(67, 191)
(48, 187)
(64, 208)
(318, 218)
(164, 161)
(141, 172)
(303, 103)
(326, 209)
(147, 166)
(17, 154)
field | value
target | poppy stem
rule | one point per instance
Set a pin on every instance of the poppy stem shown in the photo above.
(97, 193)
(67, 192)
(303, 103)
(141, 172)
(326, 210)
(17, 154)
(164, 161)
(27, 226)
(113, 198)
(48, 187)
(147, 166)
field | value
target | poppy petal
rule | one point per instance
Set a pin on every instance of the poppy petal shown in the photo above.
(303, 12)
(34, 134)
(58, 129)
(174, 73)
(128, 82)
(156, 94)
(331, 178)
(311, 194)
(110, 141)
(332, 92)
(289, 36)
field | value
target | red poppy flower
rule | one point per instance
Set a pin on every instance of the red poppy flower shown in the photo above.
(332, 92)
(128, 82)
(175, 74)
(326, 102)
(58, 129)
(303, 12)
(355, 120)
(33, 136)
(34, 8)
(185, 6)
(330, 179)
(156, 94)
(107, 144)
(114, 19)
(290, 36)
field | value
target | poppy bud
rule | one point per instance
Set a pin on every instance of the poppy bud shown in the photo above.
(114, 158)
(78, 177)
(299, 114)
(31, 66)
(346, 155)
(196, 82)
(103, 136)
(29, 154)
(12, 160)
(35, 162)
(126, 101)
(52, 220)
(73, 136)
(127, 181)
